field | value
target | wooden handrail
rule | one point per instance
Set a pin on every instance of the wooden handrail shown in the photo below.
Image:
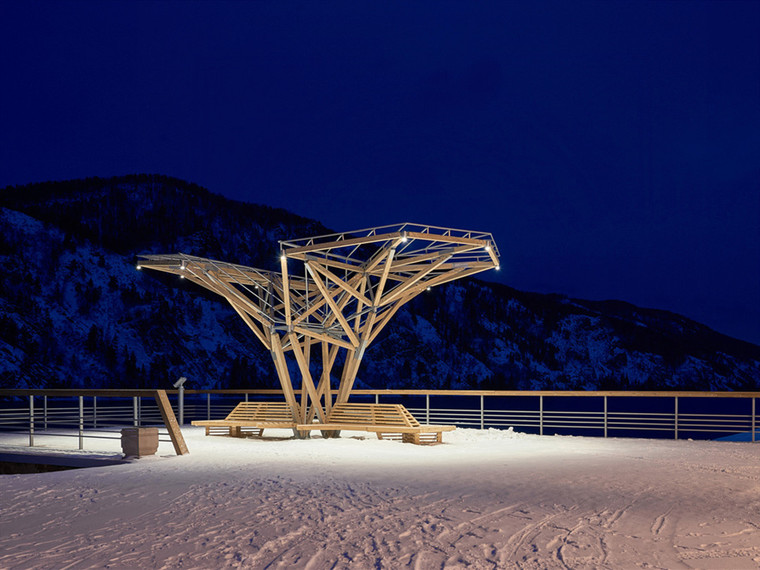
(144, 393)
(70, 392)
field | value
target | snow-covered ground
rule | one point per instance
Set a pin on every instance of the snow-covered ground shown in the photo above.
(484, 499)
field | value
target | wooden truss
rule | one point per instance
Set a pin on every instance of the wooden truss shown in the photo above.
(334, 292)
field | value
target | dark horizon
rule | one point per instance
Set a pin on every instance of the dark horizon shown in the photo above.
(611, 148)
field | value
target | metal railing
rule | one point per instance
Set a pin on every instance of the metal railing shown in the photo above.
(91, 414)
(705, 415)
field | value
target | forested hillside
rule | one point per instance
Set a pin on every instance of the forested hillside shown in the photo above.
(75, 312)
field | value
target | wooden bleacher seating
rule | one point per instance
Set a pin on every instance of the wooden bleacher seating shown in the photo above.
(251, 418)
(388, 421)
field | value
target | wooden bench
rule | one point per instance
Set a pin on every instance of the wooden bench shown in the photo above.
(388, 421)
(251, 418)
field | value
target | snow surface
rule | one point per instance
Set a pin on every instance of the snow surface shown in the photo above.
(484, 499)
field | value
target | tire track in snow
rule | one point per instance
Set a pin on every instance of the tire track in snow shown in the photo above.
(659, 523)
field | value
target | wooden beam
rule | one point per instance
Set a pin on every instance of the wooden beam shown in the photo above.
(404, 261)
(368, 324)
(323, 337)
(325, 261)
(319, 304)
(328, 360)
(170, 421)
(382, 254)
(285, 288)
(281, 365)
(226, 291)
(306, 381)
(449, 276)
(305, 340)
(350, 368)
(324, 390)
(447, 239)
(345, 298)
(384, 277)
(387, 317)
(331, 302)
(261, 335)
(232, 274)
(342, 243)
(231, 296)
(360, 306)
(493, 257)
(339, 282)
(400, 289)
(306, 347)
(310, 311)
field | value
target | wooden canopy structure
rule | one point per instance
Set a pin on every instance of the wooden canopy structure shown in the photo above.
(334, 291)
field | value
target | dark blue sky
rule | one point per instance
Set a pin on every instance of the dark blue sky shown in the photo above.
(613, 148)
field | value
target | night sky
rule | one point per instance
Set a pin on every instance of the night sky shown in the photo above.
(613, 148)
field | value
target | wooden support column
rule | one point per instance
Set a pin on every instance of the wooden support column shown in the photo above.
(170, 421)
(285, 289)
(307, 350)
(324, 389)
(306, 382)
(360, 304)
(328, 359)
(282, 372)
(350, 368)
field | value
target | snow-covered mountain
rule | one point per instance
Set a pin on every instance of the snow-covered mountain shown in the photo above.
(75, 312)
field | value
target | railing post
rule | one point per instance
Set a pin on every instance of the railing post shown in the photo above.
(753, 420)
(482, 413)
(208, 405)
(181, 398)
(377, 398)
(427, 409)
(605, 416)
(31, 421)
(81, 422)
(540, 415)
(94, 412)
(134, 411)
(44, 413)
(676, 416)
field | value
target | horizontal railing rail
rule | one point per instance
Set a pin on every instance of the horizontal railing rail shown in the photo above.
(86, 413)
(677, 414)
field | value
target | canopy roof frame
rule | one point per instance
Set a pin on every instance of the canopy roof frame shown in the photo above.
(352, 285)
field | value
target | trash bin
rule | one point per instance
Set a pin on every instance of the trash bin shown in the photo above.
(137, 442)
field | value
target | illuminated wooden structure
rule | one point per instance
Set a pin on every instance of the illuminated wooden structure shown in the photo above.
(334, 292)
